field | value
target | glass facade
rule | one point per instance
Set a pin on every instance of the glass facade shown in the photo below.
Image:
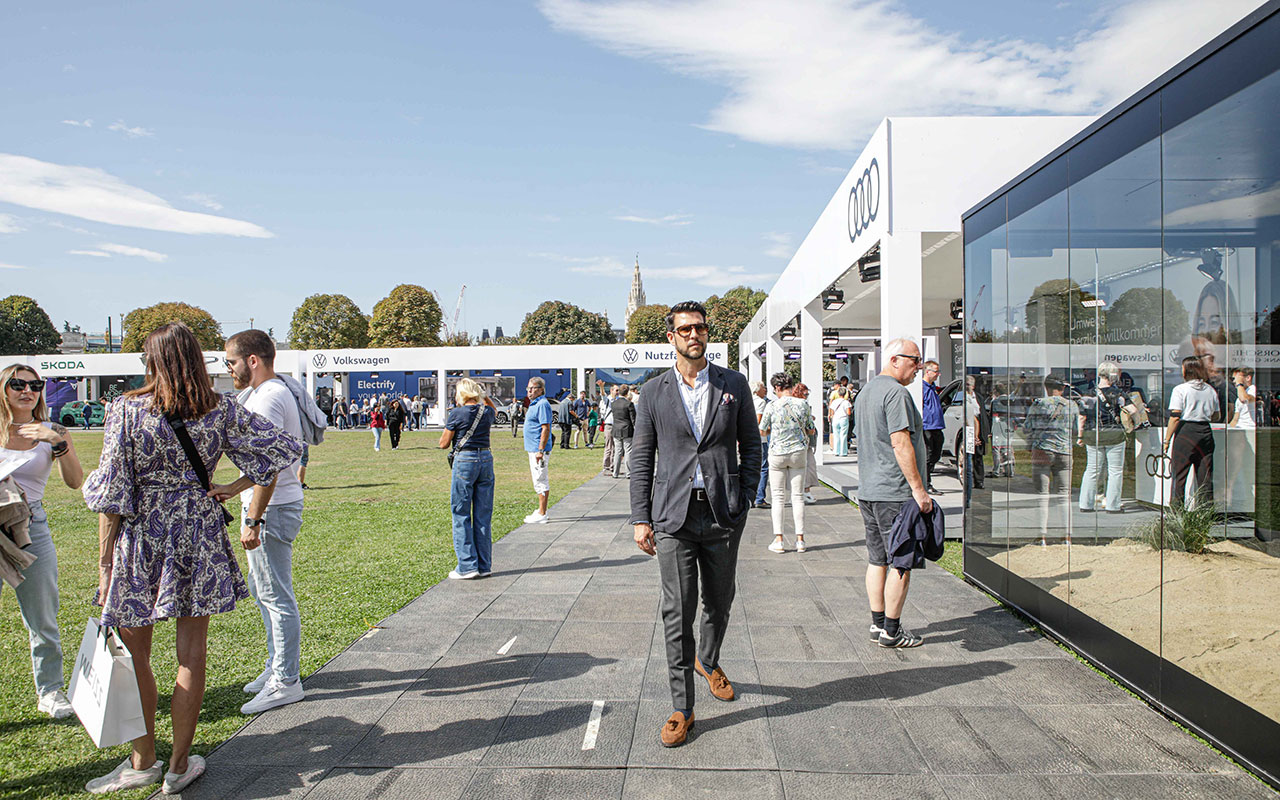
(1114, 299)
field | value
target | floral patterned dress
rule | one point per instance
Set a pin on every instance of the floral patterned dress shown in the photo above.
(173, 557)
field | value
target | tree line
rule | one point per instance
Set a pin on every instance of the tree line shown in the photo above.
(409, 316)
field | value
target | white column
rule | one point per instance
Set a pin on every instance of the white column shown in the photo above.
(82, 388)
(754, 364)
(774, 359)
(311, 377)
(582, 380)
(811, 362)
(902, 291)
(442, 396)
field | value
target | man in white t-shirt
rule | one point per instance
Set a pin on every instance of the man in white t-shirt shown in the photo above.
(272, 519)
(1246, 399)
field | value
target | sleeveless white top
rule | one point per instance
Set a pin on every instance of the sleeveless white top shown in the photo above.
(33, 475)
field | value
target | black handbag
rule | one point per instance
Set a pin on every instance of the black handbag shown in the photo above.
(179, 427)
(459, 444)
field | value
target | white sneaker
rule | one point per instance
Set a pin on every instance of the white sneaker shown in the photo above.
(809, 499)
(125, 777)
(55, 704)
(174, 783)
(799, 545)
(454, 575)
(254, 686)
(536, 517)
(274, 695)
(777, 547)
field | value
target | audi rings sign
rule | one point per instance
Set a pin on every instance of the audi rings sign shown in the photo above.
(864, 200)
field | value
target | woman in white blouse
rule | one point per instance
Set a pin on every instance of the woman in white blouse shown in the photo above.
(840, 410)
(1193, 404)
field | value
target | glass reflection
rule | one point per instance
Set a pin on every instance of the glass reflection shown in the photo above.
(1222, 222)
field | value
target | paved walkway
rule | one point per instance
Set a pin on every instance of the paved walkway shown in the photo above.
(548, 680)
(841, 474)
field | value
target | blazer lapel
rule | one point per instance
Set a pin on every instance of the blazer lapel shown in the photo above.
(715, 391)
(673, 389)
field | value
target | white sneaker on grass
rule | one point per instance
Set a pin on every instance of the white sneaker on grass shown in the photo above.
(174, 783)
(254, 686)
(126, 777)
(274, 695)
(536, 517)
(55, 704)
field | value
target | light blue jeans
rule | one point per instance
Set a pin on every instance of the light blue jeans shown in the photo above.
(1094, 455)
(271, 583)
(471, 501)
(38, 603)
(840, 436)
(377, 438)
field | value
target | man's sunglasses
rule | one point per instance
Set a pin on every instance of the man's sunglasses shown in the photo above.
(18, 385)
(699, 328)
(914, 359)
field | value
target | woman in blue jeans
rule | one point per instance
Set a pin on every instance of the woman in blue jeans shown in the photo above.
(28, 434)
(471, 495)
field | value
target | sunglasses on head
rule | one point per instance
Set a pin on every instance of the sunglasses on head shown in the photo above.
(18, 384)
(699, 328)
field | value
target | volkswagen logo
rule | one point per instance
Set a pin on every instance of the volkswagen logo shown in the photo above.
(631, 355)
(318, 361)
(1158, 465)
(864, 200)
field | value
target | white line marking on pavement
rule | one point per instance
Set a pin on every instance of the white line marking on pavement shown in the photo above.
(593, 726)
(502, 651)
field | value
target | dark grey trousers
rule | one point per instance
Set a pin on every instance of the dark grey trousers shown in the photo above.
(699, 549)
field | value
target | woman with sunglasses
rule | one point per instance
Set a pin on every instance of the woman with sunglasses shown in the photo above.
(163, 546)
(29, 434)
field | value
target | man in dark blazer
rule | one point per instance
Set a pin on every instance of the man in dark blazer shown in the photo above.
(689, 506)
(624, 425)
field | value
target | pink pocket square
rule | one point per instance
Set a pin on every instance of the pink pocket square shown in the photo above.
(726, 399)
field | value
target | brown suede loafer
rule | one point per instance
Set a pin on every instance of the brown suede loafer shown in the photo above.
(676, 729)
(721, 689)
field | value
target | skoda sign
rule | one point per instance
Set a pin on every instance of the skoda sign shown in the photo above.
(864, 200)
(318, 360)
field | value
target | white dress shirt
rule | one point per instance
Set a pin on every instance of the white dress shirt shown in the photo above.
(695, 408)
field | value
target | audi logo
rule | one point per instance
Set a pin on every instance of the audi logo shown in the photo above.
(1158, 465)
(864, 200)
(631, 355)
(318, 360)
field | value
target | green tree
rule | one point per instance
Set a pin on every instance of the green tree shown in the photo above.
(328, 321)
(458, 339)
(407, 317)
(1146, 315)
(648, 325)
(557, 322)
(25, 329)
(728, 316)
(140, 322)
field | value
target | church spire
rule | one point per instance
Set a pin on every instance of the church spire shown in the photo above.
(636, 298)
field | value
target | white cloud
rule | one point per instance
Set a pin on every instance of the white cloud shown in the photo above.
(202, 199)
(11, 266)
(669, 221)
(715, 277)
(129, 250)
(10, 224)
(131, 132)
(94, 253)
(863, 61)
(79, 123)
(780, 245)
(68, 67)
(96, 195)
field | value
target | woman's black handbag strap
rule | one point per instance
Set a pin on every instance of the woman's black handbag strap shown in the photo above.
(179, 427)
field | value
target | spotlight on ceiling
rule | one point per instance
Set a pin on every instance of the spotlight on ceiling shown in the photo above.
(869, 265)
(787, 333)
(793, 354)
(833, 299)
(957, 309)
(956, 330)
(830, 337)
(841, 355)
(1210, 264)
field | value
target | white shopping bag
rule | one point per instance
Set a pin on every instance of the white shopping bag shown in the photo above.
(104, 688)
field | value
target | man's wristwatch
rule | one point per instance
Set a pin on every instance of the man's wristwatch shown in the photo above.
(250, 522)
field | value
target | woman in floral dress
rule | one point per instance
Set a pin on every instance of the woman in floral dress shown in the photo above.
(164, 546)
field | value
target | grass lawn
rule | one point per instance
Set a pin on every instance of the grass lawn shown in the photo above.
(376, 533)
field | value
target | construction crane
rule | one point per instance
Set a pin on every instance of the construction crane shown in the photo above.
(451, 327)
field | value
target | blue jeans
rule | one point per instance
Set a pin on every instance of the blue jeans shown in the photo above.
(271, 583)
(38, 603)
(1113, 454)
(764, 471)
(471, 501)
(377, 438)
(840, 437)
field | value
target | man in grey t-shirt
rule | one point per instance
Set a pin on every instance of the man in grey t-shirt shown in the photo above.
(891, 463)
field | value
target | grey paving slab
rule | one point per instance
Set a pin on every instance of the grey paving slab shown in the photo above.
(426, 705)
(506, 783)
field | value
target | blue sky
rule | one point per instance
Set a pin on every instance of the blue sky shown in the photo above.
(241, 156)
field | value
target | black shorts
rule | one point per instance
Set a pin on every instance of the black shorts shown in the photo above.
(878, 517)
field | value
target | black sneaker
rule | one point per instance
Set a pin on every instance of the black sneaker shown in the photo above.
(876, 630)
(905, 638)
